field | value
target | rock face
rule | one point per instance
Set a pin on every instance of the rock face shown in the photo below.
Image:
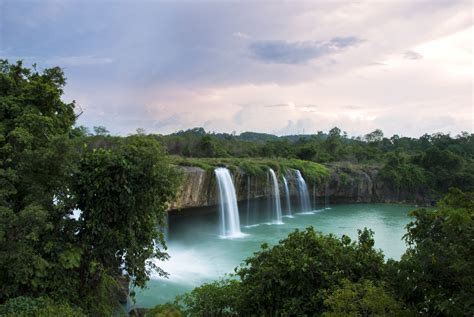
(199, 188)
(346, 184)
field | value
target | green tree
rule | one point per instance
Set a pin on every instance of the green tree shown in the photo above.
(123, 194)
(101, 130)
(291, 277)
(122, 187)
(436, 274)
(375, 136)
(219, 298)
(35, 163)
(365, 298)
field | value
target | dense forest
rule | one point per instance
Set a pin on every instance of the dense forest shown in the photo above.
(57, 261)
(433, 163)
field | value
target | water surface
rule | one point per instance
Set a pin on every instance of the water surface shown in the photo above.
(199, 254)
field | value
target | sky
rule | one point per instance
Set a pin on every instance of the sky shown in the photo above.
(281, 67)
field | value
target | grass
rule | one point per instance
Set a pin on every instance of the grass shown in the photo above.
(312, 172)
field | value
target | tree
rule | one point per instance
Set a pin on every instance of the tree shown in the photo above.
(35, 163)
(101, 130)
(47, 170)
(436, 273)
(375, 136)
(361, 299)
(120, 231)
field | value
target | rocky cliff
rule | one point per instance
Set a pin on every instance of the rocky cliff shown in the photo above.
(346, 184)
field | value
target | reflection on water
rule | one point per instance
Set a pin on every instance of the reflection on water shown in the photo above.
(199, 254)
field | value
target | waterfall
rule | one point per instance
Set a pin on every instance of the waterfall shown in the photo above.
(276, 197)
(303, 192)
(287, 196)
(229, 212)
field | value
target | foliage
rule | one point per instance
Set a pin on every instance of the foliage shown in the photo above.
(365, 298)
(427, 165)
(403, 175)
(48, 169)
(436, 273)
(38, 307)
(312, 172)
(291, 277)
(118, 191)
(165, 310)
(218, 298)
(35, 165)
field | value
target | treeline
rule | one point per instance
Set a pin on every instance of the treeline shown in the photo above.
(310, 274)
(431, 163)
(79, 220)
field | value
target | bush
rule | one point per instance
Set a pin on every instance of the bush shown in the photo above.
(361, 299)
(219, 298)
(165, 310)
(436, 274)
(38, 307)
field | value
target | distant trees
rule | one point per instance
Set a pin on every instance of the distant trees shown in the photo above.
(101, 130)
(375, 136)
(432, 163)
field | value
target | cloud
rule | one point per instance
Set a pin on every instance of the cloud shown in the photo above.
(82, 60)
(285, 52)
(279, 105)
(176, 65)
(412, 55)
(241, 35)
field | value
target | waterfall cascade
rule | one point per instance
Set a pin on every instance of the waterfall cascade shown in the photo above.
(287, 196)
(229, 211)
(303, 192)
(276, 197)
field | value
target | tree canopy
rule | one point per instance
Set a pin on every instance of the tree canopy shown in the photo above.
(48, 171)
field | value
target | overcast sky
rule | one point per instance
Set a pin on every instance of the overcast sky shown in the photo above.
(278, 67)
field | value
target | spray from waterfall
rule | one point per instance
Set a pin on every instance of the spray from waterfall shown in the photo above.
(302, 192)
(229, 211)
(287, 196)
(276, 197)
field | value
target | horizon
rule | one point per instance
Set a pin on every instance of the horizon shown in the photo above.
(277, 68)
(234, 133)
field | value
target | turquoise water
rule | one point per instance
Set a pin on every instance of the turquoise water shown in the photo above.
(199, 254)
